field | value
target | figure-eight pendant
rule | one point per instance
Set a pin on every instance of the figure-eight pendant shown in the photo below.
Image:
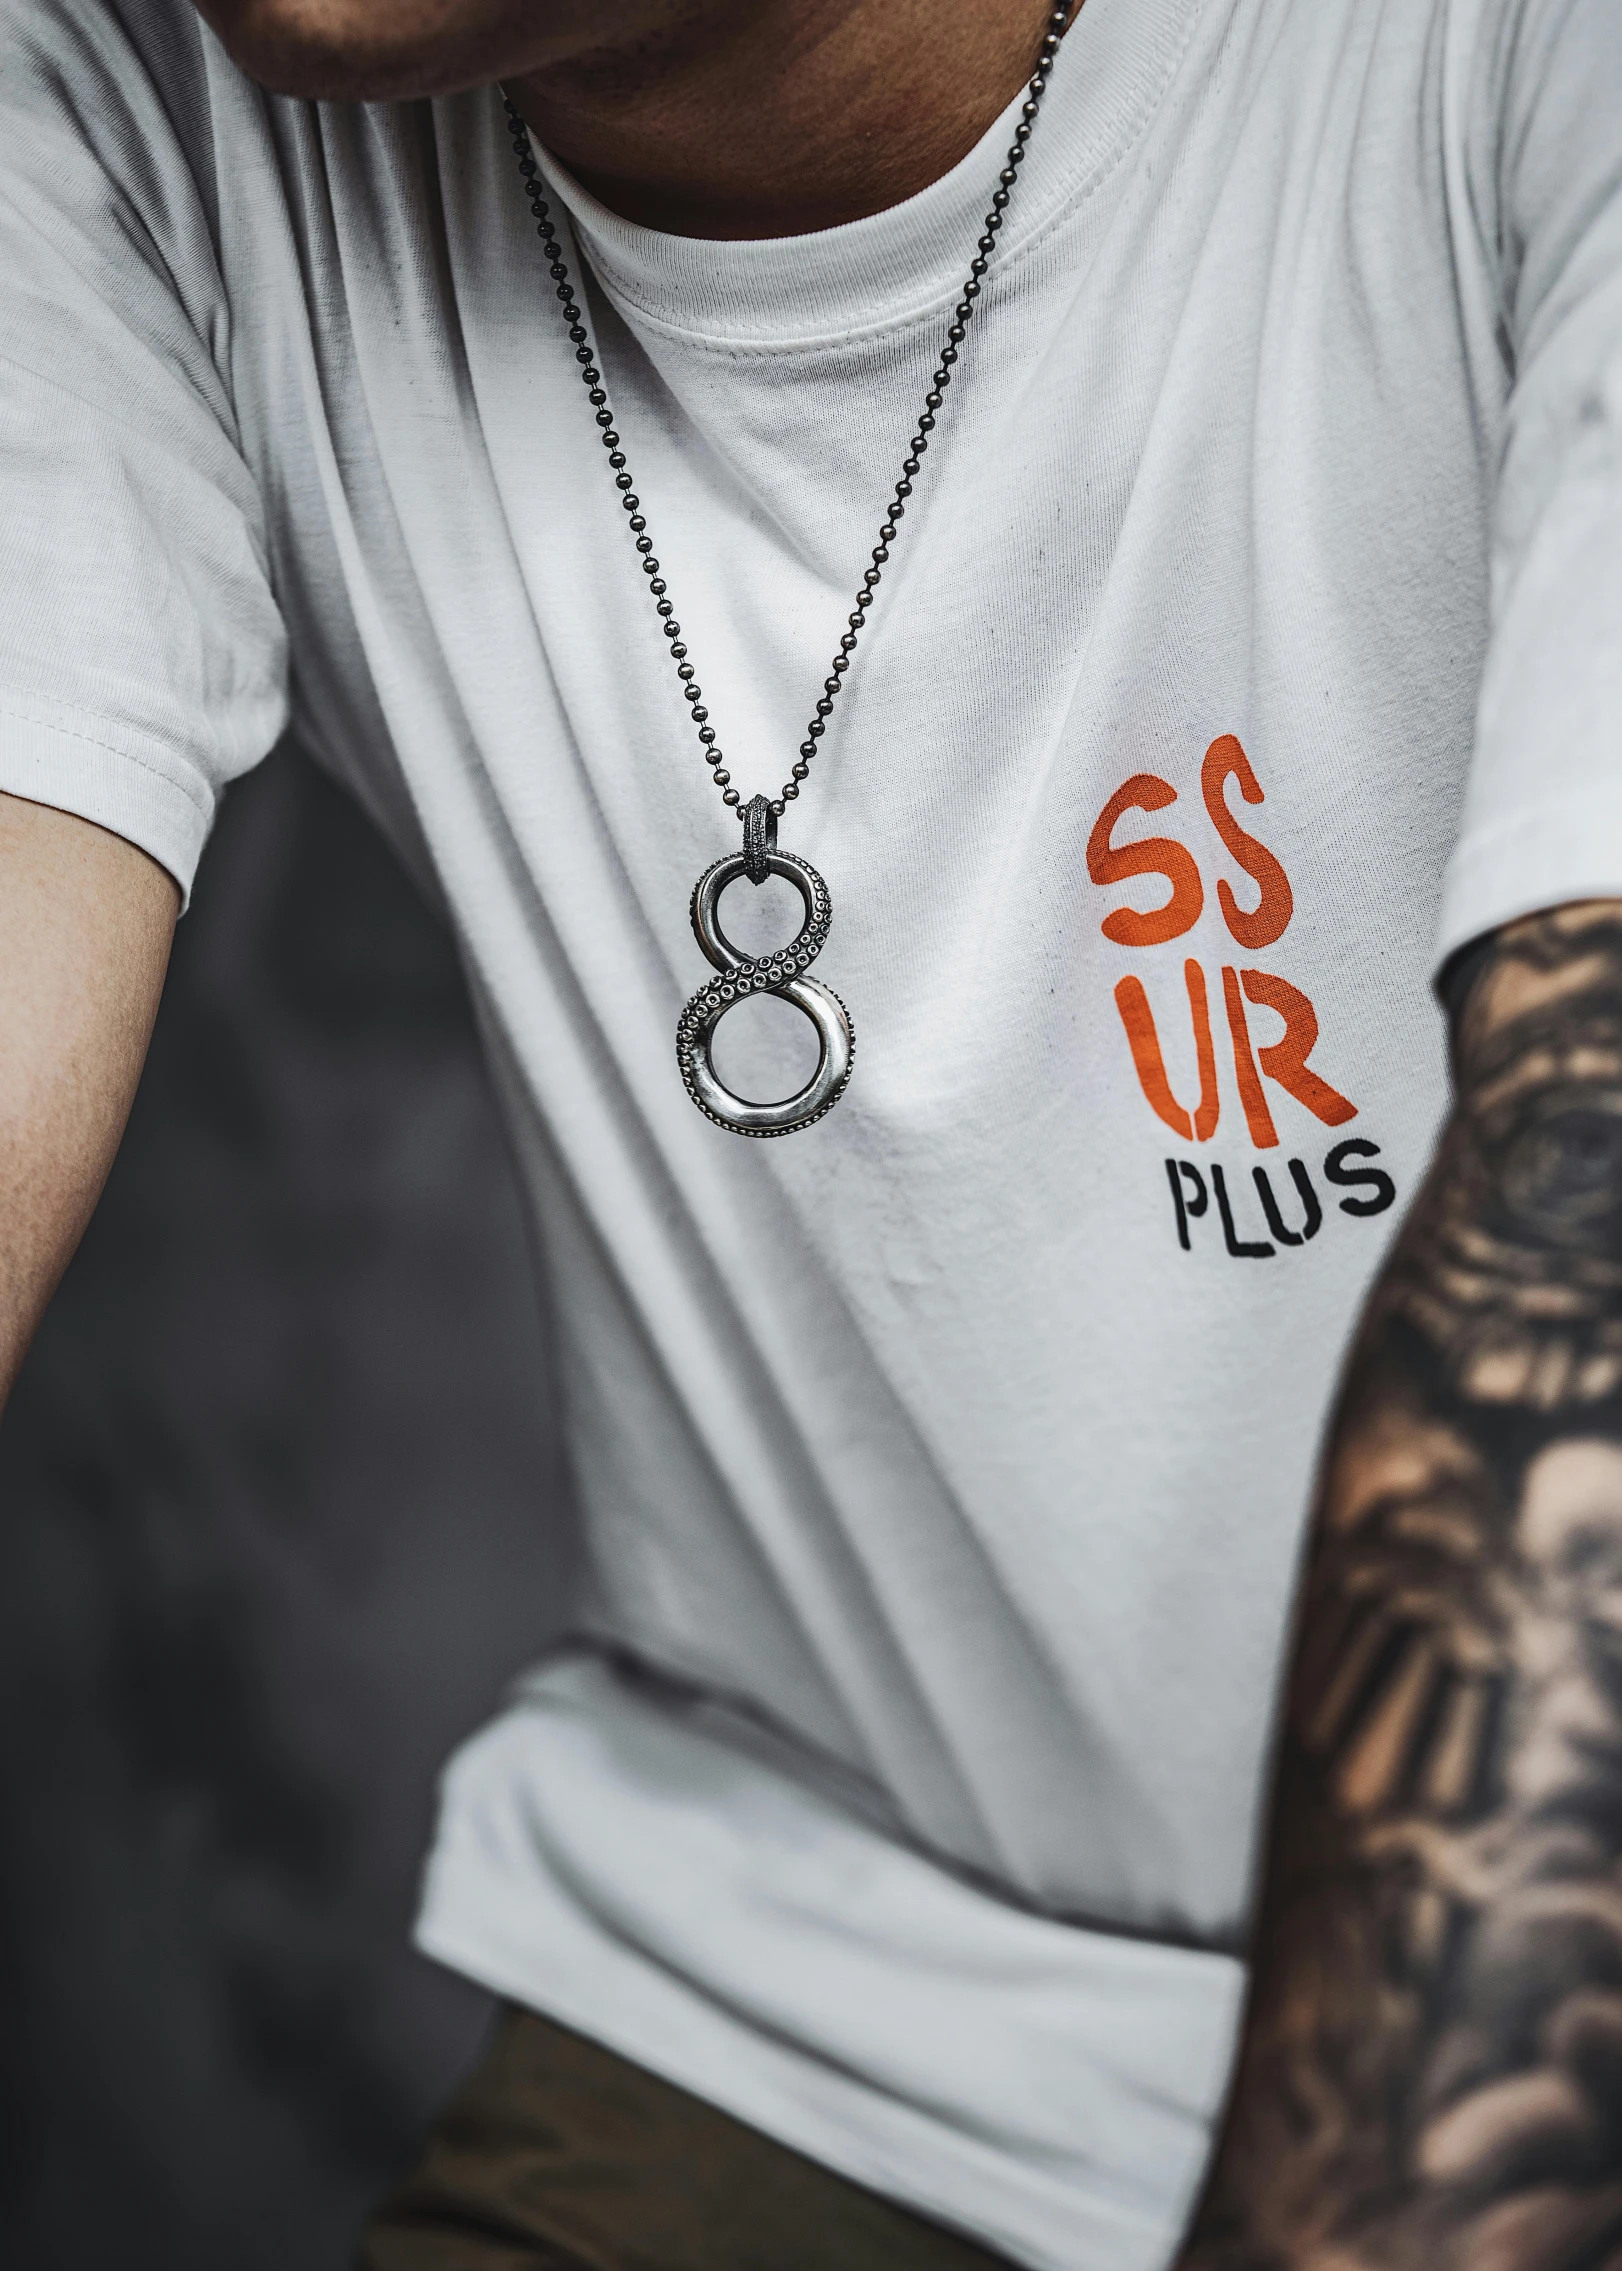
(781, 973)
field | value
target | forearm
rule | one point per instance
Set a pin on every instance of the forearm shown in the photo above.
(85, 926)
(1432, 2067)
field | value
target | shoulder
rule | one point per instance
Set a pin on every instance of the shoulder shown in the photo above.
(92, 60)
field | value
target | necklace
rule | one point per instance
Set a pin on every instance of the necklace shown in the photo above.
(783, 974)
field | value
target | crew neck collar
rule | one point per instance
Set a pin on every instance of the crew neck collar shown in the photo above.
(878, 273)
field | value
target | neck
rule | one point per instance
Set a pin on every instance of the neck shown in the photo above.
(769, 118)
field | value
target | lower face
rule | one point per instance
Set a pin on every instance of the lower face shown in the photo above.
(396, 50)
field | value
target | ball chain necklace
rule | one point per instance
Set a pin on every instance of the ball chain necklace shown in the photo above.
(783, 974)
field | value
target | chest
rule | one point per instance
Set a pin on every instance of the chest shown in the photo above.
(1213, 466)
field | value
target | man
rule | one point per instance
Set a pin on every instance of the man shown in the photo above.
(869, 1884)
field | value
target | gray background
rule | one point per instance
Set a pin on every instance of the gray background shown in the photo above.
(278, 1521)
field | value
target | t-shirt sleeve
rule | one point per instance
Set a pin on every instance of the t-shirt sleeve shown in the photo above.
(1542, 820)
(142, 656)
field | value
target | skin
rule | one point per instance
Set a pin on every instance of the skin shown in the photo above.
(1431, 2077)
(85, 926)
(711, 118)
(1431, 2072)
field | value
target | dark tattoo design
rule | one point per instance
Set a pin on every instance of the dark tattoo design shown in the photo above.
(1431, 2078)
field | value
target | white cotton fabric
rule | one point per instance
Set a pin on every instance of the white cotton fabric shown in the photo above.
(939, 1478)
(1044, 2087)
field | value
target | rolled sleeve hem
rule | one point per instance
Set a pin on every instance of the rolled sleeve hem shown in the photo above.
(137, 789)
(1545, 856)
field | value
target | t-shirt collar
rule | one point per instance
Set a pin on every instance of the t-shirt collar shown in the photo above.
(869, 274)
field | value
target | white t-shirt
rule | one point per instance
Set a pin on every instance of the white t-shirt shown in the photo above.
(940, 1470)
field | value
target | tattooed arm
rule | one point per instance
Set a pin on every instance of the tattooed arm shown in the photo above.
(1431, 2075)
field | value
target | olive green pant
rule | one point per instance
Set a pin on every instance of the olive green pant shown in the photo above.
(555, 2155)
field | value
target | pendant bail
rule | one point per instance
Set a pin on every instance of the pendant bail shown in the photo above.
(759, 837)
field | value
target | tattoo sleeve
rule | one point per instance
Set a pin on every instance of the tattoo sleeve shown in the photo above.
(1431, 2074)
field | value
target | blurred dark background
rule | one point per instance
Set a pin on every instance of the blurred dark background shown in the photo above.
(278, 1522)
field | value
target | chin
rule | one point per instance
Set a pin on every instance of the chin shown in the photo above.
(401, 50)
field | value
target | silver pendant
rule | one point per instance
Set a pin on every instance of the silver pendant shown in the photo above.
(782, 974)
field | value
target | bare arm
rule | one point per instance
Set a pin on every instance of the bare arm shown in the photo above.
(1432, 2069)
(85, 926)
